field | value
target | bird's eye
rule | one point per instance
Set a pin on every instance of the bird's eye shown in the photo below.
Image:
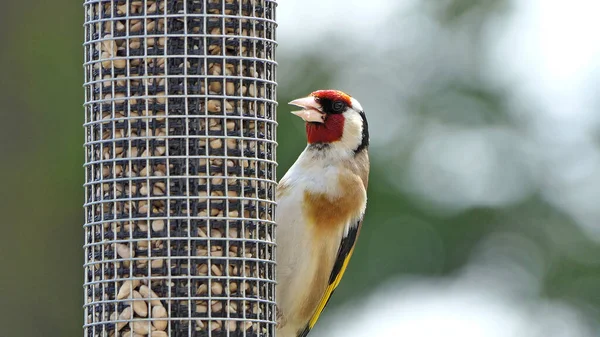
(338, 106)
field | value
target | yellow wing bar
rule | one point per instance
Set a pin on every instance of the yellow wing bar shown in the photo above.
(329, 291)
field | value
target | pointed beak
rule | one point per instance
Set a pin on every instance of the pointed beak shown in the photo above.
(311, 110)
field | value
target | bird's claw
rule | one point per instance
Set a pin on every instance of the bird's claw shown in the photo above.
(279, 317)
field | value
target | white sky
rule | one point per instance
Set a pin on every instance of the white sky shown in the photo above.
(302, 21)
(558, 48)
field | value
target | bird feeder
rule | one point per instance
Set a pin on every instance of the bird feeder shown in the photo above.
(180, 170)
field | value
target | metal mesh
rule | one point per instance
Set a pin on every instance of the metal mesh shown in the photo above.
(180, 167)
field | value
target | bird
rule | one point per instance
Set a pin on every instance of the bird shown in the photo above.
(321, 202)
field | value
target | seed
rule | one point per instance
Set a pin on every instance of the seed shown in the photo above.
(150, 25)
(119, 101)
(214, 106)
(140, 307)
(124, 251)
(160, 150)
(214, 325)
(216, 143)
(229, 106)
(202, 289)
(109, 46)
(144, 189)
(160, 97)
(120, 63)
(142, 225)
(158, 311)
(202, 307)
(215, 69)
(215, 87)
(215, 270)
(142, 245)
(231, 325)
(216, 251)
(149, 42)
(159, 333)
(251, 91)
(214, 50)
(216, 233)
(122, 9)
(158, 225)
(157, 263)
(140, 327)
(232, 307)
(216, 288)
(143, 207)
(201, 195)
(160, 116)
(148, 293)
(230, 126)
(136, 26)
(232, 143)
(230, 88)
(130, 334)
(126, 314)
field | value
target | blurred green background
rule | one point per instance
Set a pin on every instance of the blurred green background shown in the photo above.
(485, 177)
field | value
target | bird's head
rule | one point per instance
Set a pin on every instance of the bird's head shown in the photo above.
(334, 118)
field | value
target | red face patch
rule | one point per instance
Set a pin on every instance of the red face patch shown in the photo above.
(334, 95)
(328, 132)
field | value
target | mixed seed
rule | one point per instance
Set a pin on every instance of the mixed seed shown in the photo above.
(180, 168)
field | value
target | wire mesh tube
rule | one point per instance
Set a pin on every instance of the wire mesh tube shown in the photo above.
(180, 168)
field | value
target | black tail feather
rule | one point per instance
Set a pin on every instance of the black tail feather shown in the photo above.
(304, 332)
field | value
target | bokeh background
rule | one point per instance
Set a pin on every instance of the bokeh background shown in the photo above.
(484, 198)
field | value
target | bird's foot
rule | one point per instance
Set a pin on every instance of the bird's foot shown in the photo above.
(280, 317)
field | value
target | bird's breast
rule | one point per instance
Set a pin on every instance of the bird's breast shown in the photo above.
(332, 211)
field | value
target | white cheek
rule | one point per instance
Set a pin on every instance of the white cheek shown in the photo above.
(352, 136)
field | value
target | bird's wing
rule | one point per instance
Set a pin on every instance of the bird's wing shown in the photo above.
(339, 267)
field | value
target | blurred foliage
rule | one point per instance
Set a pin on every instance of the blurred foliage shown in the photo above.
(42, 137)
(41, 100)
(451, 12)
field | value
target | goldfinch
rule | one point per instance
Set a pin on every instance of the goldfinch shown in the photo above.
(321, 203)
